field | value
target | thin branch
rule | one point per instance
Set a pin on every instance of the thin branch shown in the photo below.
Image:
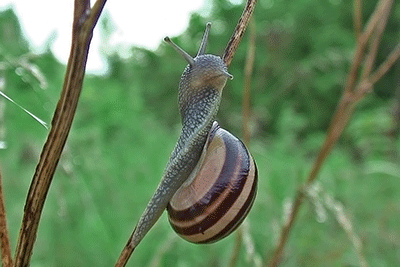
(246, 110)
(357, 19)
(126, 253)
(375, 19)
(237, 35)
(84, 21)
(375, 41)
(361, 45)
(386, 65)
(286, 229)
(4, 236)
(365, 86)
(344, 110)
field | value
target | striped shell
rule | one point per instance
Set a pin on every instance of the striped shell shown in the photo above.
(216, 200)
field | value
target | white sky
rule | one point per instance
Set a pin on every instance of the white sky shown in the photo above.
(142, 23)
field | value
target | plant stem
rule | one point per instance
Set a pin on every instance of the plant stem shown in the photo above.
(85, 20)
(353, 92)
(4, 236)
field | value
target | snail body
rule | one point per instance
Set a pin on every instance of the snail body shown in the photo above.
(205, 158)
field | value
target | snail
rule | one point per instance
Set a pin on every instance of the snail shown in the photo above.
(210, 181)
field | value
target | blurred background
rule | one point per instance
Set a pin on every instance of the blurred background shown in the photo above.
(127, 123)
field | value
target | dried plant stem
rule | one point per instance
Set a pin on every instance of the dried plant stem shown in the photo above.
(362, 43)
(386, 65)
(237, 35)
(126, 252)
(246, 111)
(375, 40)
(4, 236)
(353, 92)
(357, 18)
(85, 19)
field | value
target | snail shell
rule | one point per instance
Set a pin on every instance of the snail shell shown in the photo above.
(220, 192)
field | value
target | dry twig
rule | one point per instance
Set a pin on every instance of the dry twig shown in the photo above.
(4, 236)
(248, 70)
(353, 92)
(238, 33)
(357, 18)
(246, 110)
(85, 19)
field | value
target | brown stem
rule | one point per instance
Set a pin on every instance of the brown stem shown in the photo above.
(375, 40)
(286, 229)
(344, 110)
(365, 86)
(84, 21)
(338, 124)
(357, 18)
(375, 18)
(237, 35)
(4, 236)
(361, 45)
(386, 65)
(246, 110)
(126, 253)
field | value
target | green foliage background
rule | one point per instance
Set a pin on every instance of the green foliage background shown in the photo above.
(127, 123)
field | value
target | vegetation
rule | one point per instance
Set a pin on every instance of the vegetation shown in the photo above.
(127, 124)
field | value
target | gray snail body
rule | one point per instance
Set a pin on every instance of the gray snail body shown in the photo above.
(204, 150)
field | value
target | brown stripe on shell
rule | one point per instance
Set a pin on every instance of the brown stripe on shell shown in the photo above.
(239, 218)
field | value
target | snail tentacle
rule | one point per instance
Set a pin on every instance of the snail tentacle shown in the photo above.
(204, 41)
